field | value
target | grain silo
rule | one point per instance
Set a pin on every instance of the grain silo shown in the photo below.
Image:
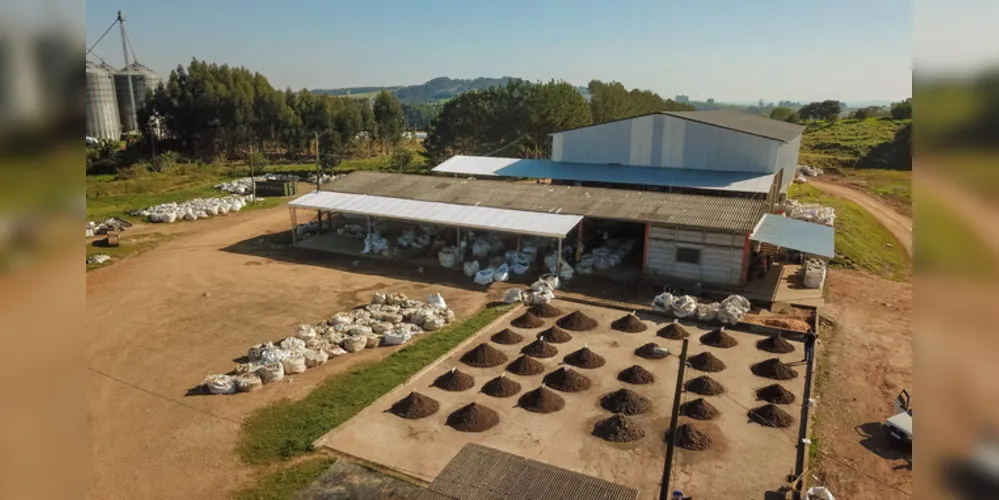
(144, 82)
(103, 121)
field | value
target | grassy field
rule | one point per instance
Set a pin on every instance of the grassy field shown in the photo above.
(892, 186)
(861, 241)
(842, 143)
(288, 428)
(127, 247)
(284, 483)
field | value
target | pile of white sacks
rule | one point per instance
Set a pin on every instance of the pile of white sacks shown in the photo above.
(607, 256)
(541, 292)
(244, 185)
(809, 212)
(198, 208)
(390, 319)
(729, 311)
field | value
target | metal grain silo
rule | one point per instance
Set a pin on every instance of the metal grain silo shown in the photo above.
(144, 82)
(103, 121)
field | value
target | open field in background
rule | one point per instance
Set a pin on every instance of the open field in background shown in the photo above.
(843, 143)
(892, 186)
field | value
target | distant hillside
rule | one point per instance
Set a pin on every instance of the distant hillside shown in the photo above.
(871, 143)
(435, 90)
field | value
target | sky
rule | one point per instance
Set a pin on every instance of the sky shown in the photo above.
(730, 50)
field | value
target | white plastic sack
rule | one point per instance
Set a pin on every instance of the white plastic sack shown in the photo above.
(271, 372)
(485, 276)
(378, 298)
(248, 382)
(447, 257)
(552, 280)
(819, 493)
(433, 323)
(540, 297)
(708, 312)
(520, 268)
(739, 301)
(502, 273)
(355, 344)
(333, 350)
(663, 301)
(396, 338)
(684, 306)
(513, 295)
(814, 277)
(272, 355)
(730, 314)
(436, 300)
(541, 285)
(372, 341)
(306, 332)
(480, 248)
(253, 353)
(341, 319)
(381, 327)
(220, 384)
(315, 358)
(359, 331)
(471, 267)
(566, 272)
(292, 344)
(294, 363)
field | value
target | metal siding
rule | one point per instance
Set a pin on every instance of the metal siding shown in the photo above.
(690, 236)
(557, 141)
(606, 143)
(674, 134)
(721, 255)
(706, 147)
(787, 161)
(641, 141)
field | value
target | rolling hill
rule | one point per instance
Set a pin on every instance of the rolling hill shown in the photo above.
(435, 90)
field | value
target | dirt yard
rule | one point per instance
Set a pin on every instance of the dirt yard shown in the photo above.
(158, 323)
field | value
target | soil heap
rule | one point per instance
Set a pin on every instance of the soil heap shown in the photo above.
(771, 415)
(690, 436)
(540, 349)
(555, 335)
(618, 429)
(545, 311)
(541, 400)
(577, 322)
(501, 387)
(699, 409)
(718, 338)
(775, 344)
(651, 350)
(528, 320)
(776, 394)
(526, 366)
(507, 336)
(566, 379)
(629, 323)
(624, 401)
(484, 356)
(673, 331)
(472, 417)
(584, 358)
(706, 362)
(705, 386)
(415, 405)
(454, 380)
(775, 369)
(637, 375)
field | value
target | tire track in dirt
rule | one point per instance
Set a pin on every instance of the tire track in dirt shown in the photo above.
(897, 224)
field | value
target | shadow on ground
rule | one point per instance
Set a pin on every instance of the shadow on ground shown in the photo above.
(345, 480)
(877, 441)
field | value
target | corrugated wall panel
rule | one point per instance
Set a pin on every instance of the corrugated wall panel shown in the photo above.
(674, 132)
(721, 255)
(557, 141)
(664, 233)
(787, 161)
(691, 236)
(641, 140)
(607, 143)
(725, 239)
(708, 147)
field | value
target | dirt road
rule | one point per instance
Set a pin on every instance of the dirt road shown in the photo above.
(898, 225)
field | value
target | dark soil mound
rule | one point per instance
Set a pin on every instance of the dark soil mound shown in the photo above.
(718, 338)
(673, 331)
(585, 358)
(484, 356)
(566, 379)
(415, 405)
(699, 409)
(540, 349)
(775, 344)
(706, 362)
(525, 365)
(454, 380)
(705, 386)
(624, 401)
(555, 335)
(629, 323)
(577, 322)
(545, 311)
(690, 436)
(528, 320)
(472, 417)
(771, 415)
(776, 394)
(651, 350)
(501, 387)
(508, 337)
(618, 429)
(637, 375)
(541, 400)
(773, 368)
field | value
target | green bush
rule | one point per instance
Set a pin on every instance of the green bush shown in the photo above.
(133, 171)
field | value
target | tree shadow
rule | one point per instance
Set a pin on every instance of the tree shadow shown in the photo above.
(877, 440)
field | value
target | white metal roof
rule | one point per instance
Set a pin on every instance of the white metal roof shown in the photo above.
(807, 237)
(495, 219)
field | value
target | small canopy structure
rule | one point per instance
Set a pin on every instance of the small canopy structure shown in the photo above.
(806, 237)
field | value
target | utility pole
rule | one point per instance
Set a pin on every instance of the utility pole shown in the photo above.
(319, 164)
(128, 72)
(253, 178)
(664, 492)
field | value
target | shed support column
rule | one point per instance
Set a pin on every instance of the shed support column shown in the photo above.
(294, 224)
(648, 239)
(558, 260)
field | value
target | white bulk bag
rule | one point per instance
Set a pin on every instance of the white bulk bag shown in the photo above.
(372, 341)
(684, 306)
(485, 276)
(271, 372)
(253, 353)
(354, 344)
(306, 332)
(739, 301)
(730, 314)
(513, 295)
(272, 355)
(359, 330)
(378, 298)
(341, 319)
(294, 363)
(480, 248)
(248, 382)
(708, 312)
(502, 273)
(663, 301)
(292, 344)
(447, 257)
(220, 384)
(433, 323)
(471, 267)
(436, 300)
(396, 338)
(333, 350)
(315, 358)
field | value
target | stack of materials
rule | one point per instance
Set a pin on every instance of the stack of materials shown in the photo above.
(112, 224)
(809, 212)
(729, 311)
(191, 210)
(607, 256)
(813, 273)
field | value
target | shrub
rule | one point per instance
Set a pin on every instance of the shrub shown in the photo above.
(133, 171)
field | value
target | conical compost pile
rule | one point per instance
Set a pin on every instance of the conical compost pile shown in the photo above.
(584, 358)
(637, 375)
(526, 366)
(624, 401)
(501, 387)
(566, 379)
(705, 386)
(454, 380)
(771, 415)
(651, 350)
(545, 311)
(540, 349)
(507, 336)
(629, 323)
(773, 368)
(706, 362)
(484, 356)
(472, 417)
(775, 344)
(673, 331)
(699, 409)
(541, 400)
(555, 335)
(577, 322)
(690, 436)
(618, 429)
(775, 394)
(415, 405)
(528, 320)
(718, 338)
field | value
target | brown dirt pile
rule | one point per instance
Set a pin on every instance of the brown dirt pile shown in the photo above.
(705, 386)
(415, 405)
(555, 335)
(501, 387)
(584, 358)
(651, 350)
(673, 331)
(637, 375)
(690, 436)
(540, 349)
(706, 362)
(775, 369)
(528, 320)
(699, 409)
(484, 356)
(629, 323)
(472, 417)
(454, 380)
(775, 344)
(718, 338)
(788, 324)
(541, 400)
(577, 322)
(526, 366)
(566, 379)
(775, 394)
(624, 401)
(545, 311)
(507, 336)
(771, 415)
(618, 429)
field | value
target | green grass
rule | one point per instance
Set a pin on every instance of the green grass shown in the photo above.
(952, 249)
(128, 246)
(288, 428)
(893, 186)
(862, 242)
(284, 483)
(842, 143)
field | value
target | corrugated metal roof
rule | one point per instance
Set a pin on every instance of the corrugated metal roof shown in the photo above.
(696, 211)
(732, 120)
(807, 237)
(743, 182)
(496, 219)
(481, 473)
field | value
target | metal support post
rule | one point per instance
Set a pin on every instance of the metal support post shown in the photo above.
(294, 224)
(664, 492)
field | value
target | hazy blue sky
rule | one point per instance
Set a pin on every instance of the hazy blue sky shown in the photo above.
(732, 50)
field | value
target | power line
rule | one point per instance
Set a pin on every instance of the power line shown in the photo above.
(129, 41)
(101, 38)
(151, 393)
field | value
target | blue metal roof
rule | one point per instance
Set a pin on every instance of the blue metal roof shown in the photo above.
(744, 182)
(807, 237)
